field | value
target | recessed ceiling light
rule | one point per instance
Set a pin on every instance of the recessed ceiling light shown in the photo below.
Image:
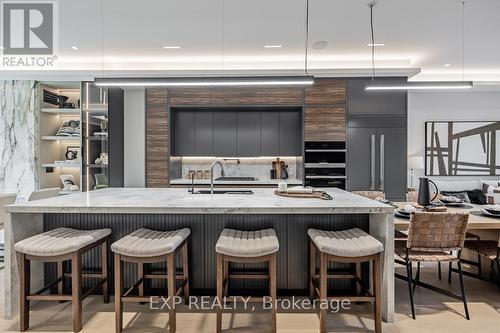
(171, 47)
(75, 48)
(447, 65)
(319, 45)
(273, 46)
(375, 44)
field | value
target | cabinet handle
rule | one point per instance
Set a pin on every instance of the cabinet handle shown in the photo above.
(382, 162)
(372, 163)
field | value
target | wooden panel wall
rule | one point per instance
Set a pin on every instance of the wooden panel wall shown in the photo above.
(156, 108)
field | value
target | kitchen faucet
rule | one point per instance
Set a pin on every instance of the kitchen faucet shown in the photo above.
(212, 174)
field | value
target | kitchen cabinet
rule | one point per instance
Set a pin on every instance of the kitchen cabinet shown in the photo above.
(269, 133)
(203, 133)
(225, 133)
(375, 103)
(183, 124)
(248, 133)
(376, 160)
(240, 133)
(290, 137)
(324, 123)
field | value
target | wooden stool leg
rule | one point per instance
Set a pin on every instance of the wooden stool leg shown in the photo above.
(105, 270)
(377, 294)
(76, 291)
(140, 275)
(60, 273)
(118, 294)
(323, 282)
(185, 272)
(220, 277)
(225, 280)
(171, 291)
(272, 277)
(358, 278)
(24, 288)
(312, 268)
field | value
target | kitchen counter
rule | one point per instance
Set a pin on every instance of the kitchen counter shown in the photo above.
(179, 200)
(127, 209)
(257, 182)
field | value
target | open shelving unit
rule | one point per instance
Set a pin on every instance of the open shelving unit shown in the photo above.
(52, 147)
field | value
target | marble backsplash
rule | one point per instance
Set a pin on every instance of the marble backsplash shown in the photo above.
(19, 147)
(248, 166)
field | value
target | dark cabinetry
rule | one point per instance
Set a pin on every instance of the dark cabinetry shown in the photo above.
(236, 133)
(377, 139)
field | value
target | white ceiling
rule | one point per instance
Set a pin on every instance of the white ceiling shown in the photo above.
(228, 36)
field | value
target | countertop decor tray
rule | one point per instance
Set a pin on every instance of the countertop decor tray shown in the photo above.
(314, 195)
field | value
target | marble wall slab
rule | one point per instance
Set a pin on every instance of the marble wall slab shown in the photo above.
(19, 145)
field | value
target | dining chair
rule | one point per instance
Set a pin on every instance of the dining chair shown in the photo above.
(433, 237)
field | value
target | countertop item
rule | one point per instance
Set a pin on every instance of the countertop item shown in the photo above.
(179, 200)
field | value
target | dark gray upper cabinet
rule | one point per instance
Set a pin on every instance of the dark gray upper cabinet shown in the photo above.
(236, 133)
(115, 137)
(269, 133)
(248, 133)
(225, 133)
(290, 134)
(183, 124)
(203, 133)
(370, 103)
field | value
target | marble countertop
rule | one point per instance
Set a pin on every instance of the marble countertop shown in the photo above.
(180, 201)
(185, 181)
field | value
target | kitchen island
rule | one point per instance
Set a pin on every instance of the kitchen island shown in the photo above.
(127, 209)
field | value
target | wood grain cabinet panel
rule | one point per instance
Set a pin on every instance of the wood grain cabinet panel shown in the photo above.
(324, 123)
(314, 123)
(189, 97)
(335, 124)
(224, 96)
(281, 96)
(325, 92)
(156, 138)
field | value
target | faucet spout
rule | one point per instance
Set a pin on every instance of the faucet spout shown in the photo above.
(212, 174)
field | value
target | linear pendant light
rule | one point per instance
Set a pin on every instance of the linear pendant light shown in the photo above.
(418, 85)
(210, 82)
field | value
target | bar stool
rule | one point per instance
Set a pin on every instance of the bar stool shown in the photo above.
(59, 245)
(347, 246)
(246, 247)
(145, 246)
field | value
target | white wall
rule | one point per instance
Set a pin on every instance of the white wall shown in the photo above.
(134, 138)
(428, 106)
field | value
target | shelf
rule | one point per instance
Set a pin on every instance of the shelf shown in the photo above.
(97, 138)
(62, 112)
(60, 138)
(96, 165)
(326, 177)
(324, 165)
(53, 165)
(325, 150)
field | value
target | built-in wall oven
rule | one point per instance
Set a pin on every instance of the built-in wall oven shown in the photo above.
(325, 164)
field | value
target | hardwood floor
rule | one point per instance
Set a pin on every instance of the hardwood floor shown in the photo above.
(435, 313)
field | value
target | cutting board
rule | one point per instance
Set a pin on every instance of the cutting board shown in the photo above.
(314, 195)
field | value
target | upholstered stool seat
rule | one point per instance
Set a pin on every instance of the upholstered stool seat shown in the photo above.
(150, 243)
(239, 243)
(346, 243)
(145, 246)
(352, 246)
(240, 246)
(61, 245)
(60, 241)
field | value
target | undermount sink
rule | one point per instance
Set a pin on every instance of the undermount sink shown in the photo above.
(243, 179)
(224, 192)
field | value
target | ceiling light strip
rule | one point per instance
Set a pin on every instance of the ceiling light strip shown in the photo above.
(204, 83)
(423, 86)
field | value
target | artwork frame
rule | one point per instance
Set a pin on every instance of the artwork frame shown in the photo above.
(474, 149)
